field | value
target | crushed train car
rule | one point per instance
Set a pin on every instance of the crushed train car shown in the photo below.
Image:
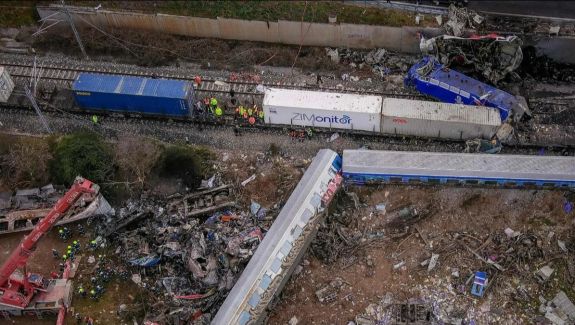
(432, 78)
(491, 55)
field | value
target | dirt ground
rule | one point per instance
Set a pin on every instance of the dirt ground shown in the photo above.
(476, 212)
(104, 310)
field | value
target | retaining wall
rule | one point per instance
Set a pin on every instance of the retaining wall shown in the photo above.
(401, 39)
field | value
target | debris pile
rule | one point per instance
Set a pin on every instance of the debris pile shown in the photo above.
(21, 210)
(381, 61)
(492, 56)
(458, 19)
(387, 311)
(32, 198)
(188, 260)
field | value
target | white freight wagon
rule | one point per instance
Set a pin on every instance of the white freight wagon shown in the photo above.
(438, 120)
(322, 109)
(6, 85)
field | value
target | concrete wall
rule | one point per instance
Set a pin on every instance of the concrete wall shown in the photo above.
(402, 39)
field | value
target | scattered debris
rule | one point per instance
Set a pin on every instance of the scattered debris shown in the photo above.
(249, 179)
(544, 273)
(492, 56)
(18, 211)
(329, 292)
(333, 137)
(483, 146)
(458, 19)
(433, 262)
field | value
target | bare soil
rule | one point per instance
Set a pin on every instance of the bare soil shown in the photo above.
(478, 212)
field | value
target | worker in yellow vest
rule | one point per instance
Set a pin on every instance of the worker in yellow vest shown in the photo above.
(218, 111)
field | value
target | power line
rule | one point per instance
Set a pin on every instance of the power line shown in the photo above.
(76, 34)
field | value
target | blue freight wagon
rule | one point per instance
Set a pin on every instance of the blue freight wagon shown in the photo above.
(126, 94)
(431, 78)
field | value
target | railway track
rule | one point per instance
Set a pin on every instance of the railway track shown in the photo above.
(63, 76)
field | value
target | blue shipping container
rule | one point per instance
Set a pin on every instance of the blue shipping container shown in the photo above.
(133, 94)
(431, 78)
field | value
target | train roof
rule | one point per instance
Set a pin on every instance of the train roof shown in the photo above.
(435, 164)
(437, 111)
(319, 100)
(452, 79)
(128, 85)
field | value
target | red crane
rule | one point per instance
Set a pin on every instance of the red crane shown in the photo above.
(17, 290)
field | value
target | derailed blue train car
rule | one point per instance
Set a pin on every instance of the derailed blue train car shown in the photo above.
(126, 94)
(431, 78)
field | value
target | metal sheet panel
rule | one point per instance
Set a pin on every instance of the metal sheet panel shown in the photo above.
(434, 164)
(6, 85)
(322, 109)
(441, 120)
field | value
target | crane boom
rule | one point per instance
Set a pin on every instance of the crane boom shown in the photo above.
(18, 292)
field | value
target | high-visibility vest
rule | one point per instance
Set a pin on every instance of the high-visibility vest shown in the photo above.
(242, 110)
(261, 114)
(250, 112)
(219, 111)
(213, 102)
(95, 119)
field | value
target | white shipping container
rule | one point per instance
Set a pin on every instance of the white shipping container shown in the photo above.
(322, 109)
(440, 120)
(6, 85)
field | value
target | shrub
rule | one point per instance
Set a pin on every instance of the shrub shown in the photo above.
(182, 162)
(84, 154)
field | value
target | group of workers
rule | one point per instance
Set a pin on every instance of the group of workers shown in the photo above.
(300, 134)
(251, 115)
(245, 114)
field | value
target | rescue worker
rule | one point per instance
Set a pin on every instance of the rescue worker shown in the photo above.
(64, 258)
(218, 112)
(81, 291)
(76, 246)
(244, 113)
(213, 103)
(93, 294)
(95, 119)
(252, 120)
(309, 133)
(261, 115)
(237, 113)
(93, 244)
(250, 112)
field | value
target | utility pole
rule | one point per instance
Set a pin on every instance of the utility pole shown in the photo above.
(76, 34)
(35, 105)
(31, 95)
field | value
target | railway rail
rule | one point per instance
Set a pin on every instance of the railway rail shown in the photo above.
(63, 76)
